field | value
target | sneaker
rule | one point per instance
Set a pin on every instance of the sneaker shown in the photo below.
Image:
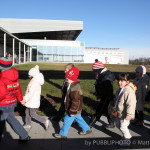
(111, 125)
(46, 124)
(58, 136)
(24, 140)
(27, 126)
(86, 132)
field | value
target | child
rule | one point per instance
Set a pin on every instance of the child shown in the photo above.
(125, 105)
(10, 91)
(104, 91)
(141, 82)
(32, 98)
(73, 105)
(62, 110)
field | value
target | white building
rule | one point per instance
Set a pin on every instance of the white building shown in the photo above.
(106, 55)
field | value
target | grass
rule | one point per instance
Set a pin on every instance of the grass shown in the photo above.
(54, 76)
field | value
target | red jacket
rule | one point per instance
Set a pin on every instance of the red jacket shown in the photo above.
(10, 87)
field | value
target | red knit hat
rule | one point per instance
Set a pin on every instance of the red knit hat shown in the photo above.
(72, 74)
(5, 63)
(98, 65)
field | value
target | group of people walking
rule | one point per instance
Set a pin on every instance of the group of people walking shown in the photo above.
(128, 103)
(129, 100)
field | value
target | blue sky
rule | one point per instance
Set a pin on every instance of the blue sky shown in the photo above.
(121, 24)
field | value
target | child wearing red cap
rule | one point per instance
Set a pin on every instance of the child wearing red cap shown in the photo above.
(62, 110)
(73, 105)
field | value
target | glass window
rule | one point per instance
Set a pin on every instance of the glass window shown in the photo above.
(49, 50)
(67, 58)
(61, 50)
(74, 51)
(55, 49)
(40, 53)
(60, 54)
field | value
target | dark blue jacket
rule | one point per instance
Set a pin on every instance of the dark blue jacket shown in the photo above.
(104, 84)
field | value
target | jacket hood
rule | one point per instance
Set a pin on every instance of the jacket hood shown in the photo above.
(39, 78)
(107, 75)
(10, 74)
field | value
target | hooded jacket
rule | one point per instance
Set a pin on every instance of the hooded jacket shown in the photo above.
(141, 84)
(33, 92)
(9, 87)
(126, 102)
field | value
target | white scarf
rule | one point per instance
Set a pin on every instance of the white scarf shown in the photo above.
(67, 92)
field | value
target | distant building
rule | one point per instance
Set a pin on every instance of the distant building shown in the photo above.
(51, 41)
(106, 55)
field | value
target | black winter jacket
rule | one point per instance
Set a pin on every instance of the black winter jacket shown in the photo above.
(104, 84)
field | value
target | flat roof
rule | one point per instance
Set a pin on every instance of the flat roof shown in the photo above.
(9, 38)
(39, 29)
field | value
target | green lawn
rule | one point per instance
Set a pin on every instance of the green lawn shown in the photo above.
(54, 76)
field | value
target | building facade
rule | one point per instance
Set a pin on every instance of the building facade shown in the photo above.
(56, 51)
(52, 41)
(106, 55)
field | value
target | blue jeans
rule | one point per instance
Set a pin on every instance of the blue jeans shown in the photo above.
(7, 114)
(69, 120)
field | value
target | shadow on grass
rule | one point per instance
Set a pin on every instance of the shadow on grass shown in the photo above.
(54, 84)
(53, 74)
(90, 103)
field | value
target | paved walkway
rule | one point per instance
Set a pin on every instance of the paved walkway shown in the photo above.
(100, 138)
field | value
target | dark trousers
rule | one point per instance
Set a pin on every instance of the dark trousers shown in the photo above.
(139, 115)
(61, 112)
(106, 109)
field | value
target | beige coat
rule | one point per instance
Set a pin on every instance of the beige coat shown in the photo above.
(141, 92)
(126, 102)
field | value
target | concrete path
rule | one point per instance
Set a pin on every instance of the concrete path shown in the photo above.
(100, 138)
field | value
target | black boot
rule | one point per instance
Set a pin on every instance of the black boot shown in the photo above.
(24, 140)
(92, 121)
(110, 125)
